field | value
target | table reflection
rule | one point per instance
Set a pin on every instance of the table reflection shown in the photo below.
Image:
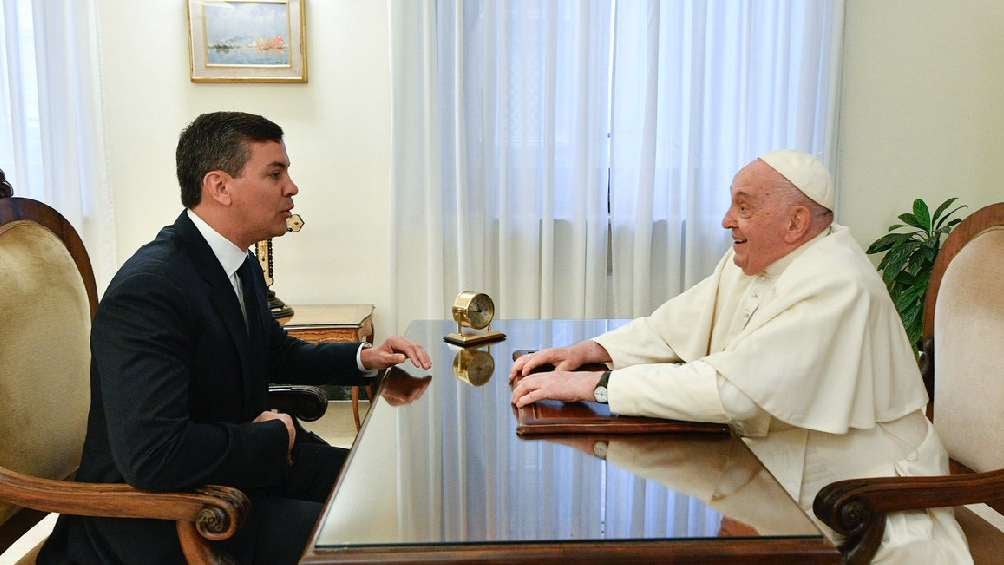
(447, 467)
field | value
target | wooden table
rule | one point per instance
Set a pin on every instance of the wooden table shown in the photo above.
(439, 474)
(333, 322)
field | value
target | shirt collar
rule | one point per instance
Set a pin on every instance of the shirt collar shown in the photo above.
(775, 269)
(229, 255)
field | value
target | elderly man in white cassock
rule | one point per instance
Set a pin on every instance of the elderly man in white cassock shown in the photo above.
(794, 342)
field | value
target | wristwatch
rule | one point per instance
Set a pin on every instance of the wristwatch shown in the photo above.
(600, 449)
(600, 392)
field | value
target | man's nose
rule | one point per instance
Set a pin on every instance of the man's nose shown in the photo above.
(292, 189)
(728, 221)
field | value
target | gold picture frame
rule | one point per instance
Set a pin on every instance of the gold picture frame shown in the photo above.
(247, 40)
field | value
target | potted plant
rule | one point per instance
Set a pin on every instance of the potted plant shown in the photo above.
(909, 258)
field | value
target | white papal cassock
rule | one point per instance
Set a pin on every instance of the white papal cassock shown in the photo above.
(809, 363)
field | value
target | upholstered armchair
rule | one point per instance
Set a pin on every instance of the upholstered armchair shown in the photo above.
(963, 365)
(48, 299)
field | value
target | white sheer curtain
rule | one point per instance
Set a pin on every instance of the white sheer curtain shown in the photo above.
(525, 132)
(500, 155)
(51, 142)
(699, 90)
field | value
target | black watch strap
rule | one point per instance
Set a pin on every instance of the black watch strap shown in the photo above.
(604, 379)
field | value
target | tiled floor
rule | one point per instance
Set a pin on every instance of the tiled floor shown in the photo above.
(336, 427)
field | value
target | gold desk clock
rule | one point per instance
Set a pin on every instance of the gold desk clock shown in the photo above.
(263, 249)
(473, 310)
(474, 366)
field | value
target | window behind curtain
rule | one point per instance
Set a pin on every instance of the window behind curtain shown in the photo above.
(51, 145)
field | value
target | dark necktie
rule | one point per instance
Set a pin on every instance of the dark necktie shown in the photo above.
(246, 274)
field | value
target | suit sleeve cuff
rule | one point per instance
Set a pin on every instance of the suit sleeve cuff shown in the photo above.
(359, 360)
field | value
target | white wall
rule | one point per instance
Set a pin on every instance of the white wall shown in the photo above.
(337, 133)
(922, 113)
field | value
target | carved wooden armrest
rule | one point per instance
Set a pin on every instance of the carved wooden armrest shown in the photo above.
(857, 508)
(207, 513)
(308, 403)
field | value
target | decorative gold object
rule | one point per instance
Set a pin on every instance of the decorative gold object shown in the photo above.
(473, 310)
(263, 249)
(474, 366)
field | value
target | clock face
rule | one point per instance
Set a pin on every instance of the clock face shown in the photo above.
(473, 309)
(481, 311)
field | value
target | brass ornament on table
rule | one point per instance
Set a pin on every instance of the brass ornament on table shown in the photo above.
(473, 310)
(263, 249)
(474, 366)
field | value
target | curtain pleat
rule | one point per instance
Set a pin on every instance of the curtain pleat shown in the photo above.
(51, 140)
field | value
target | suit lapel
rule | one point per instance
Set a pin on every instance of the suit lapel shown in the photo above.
(222, 296)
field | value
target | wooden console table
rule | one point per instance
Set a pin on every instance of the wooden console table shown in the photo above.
(321, 323)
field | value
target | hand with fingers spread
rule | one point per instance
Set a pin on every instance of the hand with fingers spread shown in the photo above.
(393, 351)
(566, 386)
(562, 358)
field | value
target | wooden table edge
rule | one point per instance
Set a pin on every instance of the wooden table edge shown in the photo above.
(794, 549)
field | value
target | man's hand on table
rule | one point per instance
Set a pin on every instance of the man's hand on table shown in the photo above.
(287, 421)
(562, 358)
(566, 386)
(393, 351)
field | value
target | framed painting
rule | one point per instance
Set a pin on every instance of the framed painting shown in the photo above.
(247, 40)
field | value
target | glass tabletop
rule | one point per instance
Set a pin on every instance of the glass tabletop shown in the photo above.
(438, 462)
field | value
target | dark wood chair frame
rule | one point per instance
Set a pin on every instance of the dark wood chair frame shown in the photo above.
(208, 513)
(857, 508)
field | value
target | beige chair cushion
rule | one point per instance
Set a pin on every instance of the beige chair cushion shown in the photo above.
(44, 354)
(969, 354)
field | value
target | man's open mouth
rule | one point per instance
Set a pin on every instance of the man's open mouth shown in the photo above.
(739, 241)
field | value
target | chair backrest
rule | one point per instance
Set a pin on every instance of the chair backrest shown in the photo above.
(965, 313)
(47, 298)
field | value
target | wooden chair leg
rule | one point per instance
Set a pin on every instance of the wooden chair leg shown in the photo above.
(196, 548)
(355, 407)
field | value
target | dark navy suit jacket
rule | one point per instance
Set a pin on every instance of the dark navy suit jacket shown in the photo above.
(176, 379)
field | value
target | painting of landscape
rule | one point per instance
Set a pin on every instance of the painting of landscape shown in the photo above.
(247, 33)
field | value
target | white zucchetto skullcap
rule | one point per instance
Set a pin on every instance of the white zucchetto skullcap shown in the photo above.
(804, 171)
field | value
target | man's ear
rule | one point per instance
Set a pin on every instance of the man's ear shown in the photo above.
(214, 185)
(799, 223)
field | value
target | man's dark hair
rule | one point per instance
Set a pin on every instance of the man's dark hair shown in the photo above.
(218, 142)
(6, 190)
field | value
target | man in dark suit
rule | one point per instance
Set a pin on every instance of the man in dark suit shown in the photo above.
(183, 348)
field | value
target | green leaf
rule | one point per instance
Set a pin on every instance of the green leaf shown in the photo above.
(886, 242)
(948, 227)
(911, 316)
(895, 227)
(895, 251)
(911, 296)
(931, 253)
(918, 262)
(911, 220)
(897, 262)
(948, 215)
(944, 206)
(902, 282)
(922, 214)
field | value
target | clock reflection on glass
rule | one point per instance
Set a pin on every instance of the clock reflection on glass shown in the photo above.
(474, 366)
